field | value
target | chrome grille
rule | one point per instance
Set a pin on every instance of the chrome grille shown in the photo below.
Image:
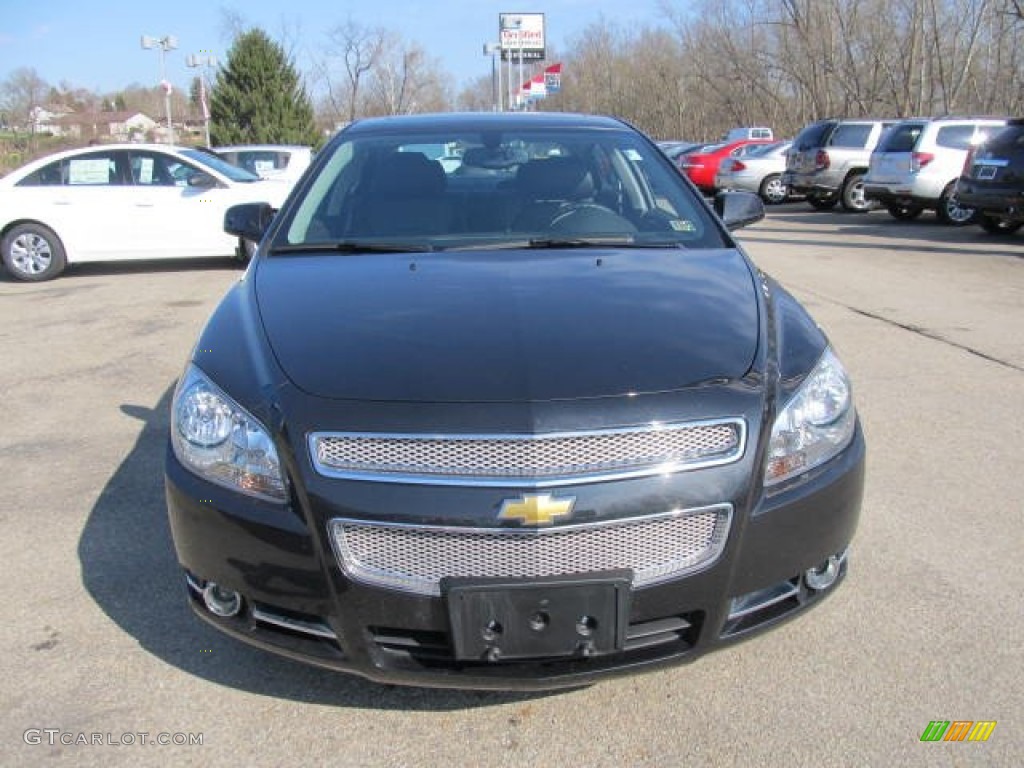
(416, 558)
(532, 460)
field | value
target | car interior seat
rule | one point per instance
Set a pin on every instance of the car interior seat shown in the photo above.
(404, 195)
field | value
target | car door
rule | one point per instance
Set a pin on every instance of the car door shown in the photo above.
(179, 207)
(84, 200)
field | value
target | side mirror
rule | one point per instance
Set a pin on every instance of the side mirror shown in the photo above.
(248, 221)
(738, 209)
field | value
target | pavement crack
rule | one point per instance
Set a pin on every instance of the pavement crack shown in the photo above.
(933, 336)
(918, 330)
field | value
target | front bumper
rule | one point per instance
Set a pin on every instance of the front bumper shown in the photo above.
(298, 602)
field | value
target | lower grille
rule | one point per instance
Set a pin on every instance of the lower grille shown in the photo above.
(416, 558)
(649, 639)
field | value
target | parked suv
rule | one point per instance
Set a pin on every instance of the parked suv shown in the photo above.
(917, 163)
(829, 159)
(993, 180)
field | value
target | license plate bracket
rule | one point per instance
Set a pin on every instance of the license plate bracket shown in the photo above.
(564, 617)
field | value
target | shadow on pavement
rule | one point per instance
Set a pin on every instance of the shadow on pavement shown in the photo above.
(925, 235)
(154, 266)
(130, 570)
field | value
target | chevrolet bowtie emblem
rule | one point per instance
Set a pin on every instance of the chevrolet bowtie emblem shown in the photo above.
(536, 509)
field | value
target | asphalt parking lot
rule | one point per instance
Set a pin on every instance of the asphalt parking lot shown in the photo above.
(98, 640)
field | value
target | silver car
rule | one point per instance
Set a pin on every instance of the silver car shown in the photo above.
(828, 161)
(760, 171)
(918, 161)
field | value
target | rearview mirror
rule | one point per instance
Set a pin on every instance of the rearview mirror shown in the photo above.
(248, 221)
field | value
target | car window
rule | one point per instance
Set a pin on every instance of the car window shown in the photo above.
(812, 136)
(220, 165)
(510, 188)
(901, 138)
(50, 175)
(1008, 139)
(761, 150)
(744, 150)
(150, 169)
(93, 169)
(854, 135)
(258, 161)
(955, 136)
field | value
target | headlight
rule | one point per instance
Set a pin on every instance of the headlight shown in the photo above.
(815, 425)
(220, 441)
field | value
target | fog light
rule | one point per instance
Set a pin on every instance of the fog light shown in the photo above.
(220, 601)
(824, 575)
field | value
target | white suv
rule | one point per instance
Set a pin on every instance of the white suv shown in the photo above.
(918, 161)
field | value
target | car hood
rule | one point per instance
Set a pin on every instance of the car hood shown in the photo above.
(508, 326)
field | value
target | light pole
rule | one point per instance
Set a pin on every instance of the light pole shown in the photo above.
(494, 50)
(208, 61)
(166, 43)
(508, 24)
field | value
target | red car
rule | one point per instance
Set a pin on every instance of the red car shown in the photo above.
(702, 166)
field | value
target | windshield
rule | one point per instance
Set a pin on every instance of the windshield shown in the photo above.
(558, 187)
(223, 167)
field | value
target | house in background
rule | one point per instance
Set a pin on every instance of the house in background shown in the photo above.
(46, 119)
(106, 126)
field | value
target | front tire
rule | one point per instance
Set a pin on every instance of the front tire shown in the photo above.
(853, 194)
(996, 226)
(33, 253)
(951, 212)
(772, 190)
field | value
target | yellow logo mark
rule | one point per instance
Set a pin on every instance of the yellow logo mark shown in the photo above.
(536, 509)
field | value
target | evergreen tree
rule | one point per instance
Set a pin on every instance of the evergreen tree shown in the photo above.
(258, 97)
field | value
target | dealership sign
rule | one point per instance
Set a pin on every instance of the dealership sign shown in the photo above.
(521, 34)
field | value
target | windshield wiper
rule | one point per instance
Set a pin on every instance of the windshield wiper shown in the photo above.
(626, 241)
(352, 246)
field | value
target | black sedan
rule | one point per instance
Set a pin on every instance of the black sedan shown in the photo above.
(993, 180)
(527, 423)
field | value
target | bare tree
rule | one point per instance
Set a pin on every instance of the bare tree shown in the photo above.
(404, 79)
(359, 48)
(477, 95)
(20, 94)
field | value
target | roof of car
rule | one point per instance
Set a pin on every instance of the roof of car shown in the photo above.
(262, 148)
(484, 120)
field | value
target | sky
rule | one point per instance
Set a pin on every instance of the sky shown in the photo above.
(96, 45)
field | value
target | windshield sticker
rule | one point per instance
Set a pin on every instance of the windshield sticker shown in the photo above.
(682, 225)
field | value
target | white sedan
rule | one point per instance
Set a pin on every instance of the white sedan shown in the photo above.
(121, 201)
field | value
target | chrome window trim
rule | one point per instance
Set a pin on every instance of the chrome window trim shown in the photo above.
(516, 481)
